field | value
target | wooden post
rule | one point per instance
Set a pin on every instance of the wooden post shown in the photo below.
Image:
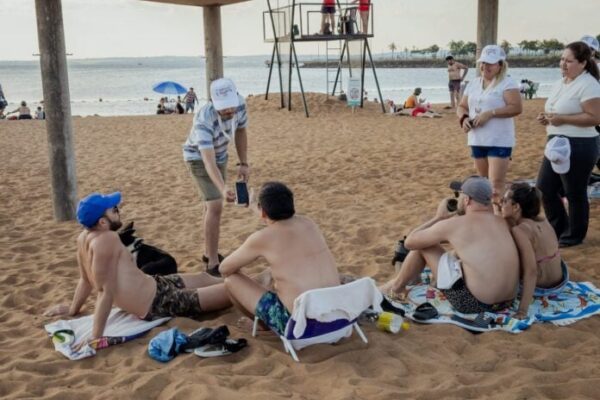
(55, 83)
(213, 47)
(487, 25)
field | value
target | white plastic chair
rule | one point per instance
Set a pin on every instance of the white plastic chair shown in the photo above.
(327, 315)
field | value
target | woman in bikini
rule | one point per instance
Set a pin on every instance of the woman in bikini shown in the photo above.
(541, 265)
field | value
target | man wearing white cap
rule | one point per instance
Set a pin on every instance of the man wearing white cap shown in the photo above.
(220, 121)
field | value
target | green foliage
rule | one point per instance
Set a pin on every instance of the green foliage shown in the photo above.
(462, 48)
(506, 46)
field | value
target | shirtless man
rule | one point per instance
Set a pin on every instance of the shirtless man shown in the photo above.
(107, 267)
(294, 248)
(482, 273)
(454, 79)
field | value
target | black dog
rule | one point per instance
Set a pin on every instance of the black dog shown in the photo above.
(151, 260)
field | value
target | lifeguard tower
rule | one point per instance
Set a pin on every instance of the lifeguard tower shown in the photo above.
(347, 45)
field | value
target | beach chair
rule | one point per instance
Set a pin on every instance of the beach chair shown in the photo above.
(327, 315)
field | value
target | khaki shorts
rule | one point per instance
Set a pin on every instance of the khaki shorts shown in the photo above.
(208, 190)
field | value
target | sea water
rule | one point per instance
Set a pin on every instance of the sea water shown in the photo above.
(123, 86)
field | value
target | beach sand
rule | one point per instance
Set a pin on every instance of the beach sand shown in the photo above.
(364, 177)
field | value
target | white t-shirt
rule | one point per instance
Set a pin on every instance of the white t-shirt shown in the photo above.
(566, 98)
(497, 132)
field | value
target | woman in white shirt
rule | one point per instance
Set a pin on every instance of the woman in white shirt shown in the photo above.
(571, 111)
(486, 113)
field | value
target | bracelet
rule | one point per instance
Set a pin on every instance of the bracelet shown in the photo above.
(242, 164)
(465, 116)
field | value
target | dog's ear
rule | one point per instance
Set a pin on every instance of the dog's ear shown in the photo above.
(127, 227)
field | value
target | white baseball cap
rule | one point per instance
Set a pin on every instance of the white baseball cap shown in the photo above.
(591, 41)
(223, 94)
(491, 54)
(558, 152)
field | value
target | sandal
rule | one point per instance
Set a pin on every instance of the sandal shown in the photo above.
(425, 312)
(214, 270)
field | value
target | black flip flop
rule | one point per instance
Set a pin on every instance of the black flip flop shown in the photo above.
(425, 312)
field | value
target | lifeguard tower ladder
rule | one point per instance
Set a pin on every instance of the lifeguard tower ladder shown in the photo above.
(290, 24)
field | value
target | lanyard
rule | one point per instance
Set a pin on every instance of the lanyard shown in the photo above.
(233, 126)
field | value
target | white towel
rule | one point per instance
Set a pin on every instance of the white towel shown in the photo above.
(118, 324)
(449, 271)
(328, 304)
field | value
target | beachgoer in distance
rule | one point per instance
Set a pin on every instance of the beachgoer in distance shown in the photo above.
(364, 6)
(486, 112)
(3, 102)
(178, 107)
(594, 46)
(481, 273)
(572, 111)
(107, 267)
(23, 110)
(220, 121)
(454, 79)
(541, 265)
(190, 99)
(418, 107)
(40, 113)
(294, 248)
(327, 14)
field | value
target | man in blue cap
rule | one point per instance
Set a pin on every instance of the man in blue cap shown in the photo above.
(105, 265)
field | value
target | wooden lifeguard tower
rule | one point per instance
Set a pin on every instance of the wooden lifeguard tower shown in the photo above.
(290, 23)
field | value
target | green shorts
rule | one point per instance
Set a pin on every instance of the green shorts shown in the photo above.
(208, 190)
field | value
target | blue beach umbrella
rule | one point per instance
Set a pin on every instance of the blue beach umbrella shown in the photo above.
(169, 87)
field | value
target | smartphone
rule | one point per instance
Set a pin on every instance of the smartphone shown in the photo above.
(241, 194)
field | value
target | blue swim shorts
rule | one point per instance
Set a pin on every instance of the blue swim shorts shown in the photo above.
(490, 151)
(272, 312)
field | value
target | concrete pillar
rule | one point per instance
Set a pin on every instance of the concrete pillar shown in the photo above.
(487, 25)
(213, 46)
(55, 83)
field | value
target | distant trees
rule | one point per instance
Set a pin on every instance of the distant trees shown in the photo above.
(393, 48)
(548, 46)
(462, 48)
(506, 46)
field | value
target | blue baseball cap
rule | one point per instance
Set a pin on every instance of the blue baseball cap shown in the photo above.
(92, 207)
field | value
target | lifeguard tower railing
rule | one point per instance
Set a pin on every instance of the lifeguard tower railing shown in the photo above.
(288, 22)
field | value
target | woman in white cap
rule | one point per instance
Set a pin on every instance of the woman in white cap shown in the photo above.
(571, 111)
(486, 112)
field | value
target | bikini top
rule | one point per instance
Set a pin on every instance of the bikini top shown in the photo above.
(548, 258)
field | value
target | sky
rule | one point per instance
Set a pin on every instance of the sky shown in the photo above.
(135, 28)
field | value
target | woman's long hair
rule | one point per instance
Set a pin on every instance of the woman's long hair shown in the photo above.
(583, 53)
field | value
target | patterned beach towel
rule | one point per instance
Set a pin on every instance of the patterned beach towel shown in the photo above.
(562, 306)
(121, 327)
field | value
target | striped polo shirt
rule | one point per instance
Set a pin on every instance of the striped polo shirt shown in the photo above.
(208, 133)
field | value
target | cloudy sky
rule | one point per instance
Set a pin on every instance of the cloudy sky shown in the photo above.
(135, 28)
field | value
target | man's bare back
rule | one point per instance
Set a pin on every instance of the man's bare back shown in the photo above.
(488, 254)
(133, 290)
(299, 257)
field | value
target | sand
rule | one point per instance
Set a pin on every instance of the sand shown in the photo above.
(364, 177)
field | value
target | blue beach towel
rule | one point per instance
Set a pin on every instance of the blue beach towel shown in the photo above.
(564, 305)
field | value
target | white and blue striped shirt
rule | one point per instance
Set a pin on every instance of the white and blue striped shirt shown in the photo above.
(208, 133)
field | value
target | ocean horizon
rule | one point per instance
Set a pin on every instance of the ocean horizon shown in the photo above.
(123, 86)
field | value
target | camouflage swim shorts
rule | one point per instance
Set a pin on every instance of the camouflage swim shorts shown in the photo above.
(172, 299)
